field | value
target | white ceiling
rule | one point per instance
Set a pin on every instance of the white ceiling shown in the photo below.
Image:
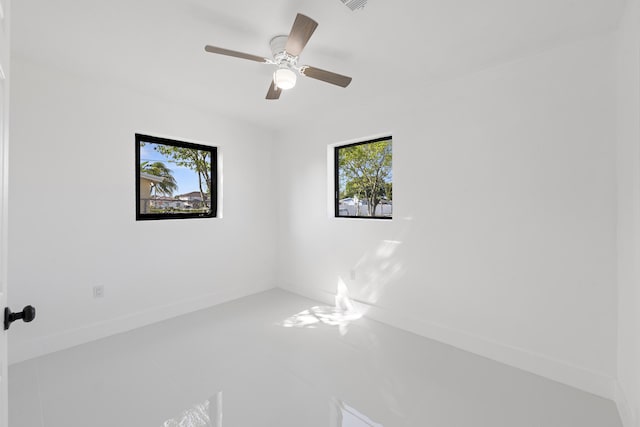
(387, 47)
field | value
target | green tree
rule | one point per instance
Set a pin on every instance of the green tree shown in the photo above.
(168, 184)
(365, 172)
(198, 161)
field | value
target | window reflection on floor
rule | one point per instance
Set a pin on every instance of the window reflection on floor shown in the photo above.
(346, 416)
(205, 414)
(209, 414)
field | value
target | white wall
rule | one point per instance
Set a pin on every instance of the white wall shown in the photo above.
(503, 240)
(628, 61)
(72, 212)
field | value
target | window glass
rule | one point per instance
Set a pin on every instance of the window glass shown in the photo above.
(174, 179)
(364, 179)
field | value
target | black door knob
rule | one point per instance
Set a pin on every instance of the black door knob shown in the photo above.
(27, 314)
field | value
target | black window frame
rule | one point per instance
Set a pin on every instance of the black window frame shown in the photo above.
(213, 151)
(336, 175)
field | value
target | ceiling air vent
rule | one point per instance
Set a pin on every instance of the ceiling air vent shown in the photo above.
(354, 4)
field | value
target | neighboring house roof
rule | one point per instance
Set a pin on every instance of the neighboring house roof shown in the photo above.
(193, 194)
(153, 178)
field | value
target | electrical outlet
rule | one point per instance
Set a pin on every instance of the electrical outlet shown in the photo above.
(98, 291)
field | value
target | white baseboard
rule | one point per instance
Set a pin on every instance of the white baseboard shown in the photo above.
(21, 351)
(592, 382)
(624, 409)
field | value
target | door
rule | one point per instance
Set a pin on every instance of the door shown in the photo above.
(4, 151)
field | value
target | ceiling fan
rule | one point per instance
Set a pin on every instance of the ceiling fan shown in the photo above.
(286, 51)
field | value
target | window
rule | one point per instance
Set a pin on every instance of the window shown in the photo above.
(174, 179)
(364, 179)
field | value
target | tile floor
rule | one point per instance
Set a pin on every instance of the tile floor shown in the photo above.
(267, 360)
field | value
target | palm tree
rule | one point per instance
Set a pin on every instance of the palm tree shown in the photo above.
(168, 184)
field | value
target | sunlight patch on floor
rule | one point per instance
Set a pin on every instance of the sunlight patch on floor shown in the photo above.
(341, 315)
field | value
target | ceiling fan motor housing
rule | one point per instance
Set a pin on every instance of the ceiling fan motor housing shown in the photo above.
(277, 44)
(280, 56)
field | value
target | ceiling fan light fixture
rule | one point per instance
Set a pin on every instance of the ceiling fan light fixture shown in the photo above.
(284, 78)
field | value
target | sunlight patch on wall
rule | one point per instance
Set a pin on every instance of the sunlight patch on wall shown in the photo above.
(378, 268)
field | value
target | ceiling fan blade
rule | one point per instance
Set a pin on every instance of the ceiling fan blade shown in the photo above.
(274, 91)
(326, 76)
(301, 31)
(221, 51)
